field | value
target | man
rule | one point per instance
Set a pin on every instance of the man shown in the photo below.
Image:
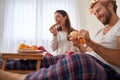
(108, 38)
(106, 45)
(82, 66)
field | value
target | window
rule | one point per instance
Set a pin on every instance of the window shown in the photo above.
(29, 21)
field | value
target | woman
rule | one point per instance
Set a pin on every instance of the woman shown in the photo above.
(60, 30)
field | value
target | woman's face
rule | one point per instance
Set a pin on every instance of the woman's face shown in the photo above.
(60, 19)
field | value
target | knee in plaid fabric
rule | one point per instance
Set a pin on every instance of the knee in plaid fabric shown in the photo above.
(73, 67)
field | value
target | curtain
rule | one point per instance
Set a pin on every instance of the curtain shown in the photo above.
(28, 21)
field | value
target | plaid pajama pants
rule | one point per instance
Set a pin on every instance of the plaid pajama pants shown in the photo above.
(62, 67)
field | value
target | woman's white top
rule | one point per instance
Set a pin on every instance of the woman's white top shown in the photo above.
(109, 40)
(60, 44)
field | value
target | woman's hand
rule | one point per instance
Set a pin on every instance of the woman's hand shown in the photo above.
(53, 29)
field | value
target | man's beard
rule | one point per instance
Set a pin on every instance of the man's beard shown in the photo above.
(107, 17)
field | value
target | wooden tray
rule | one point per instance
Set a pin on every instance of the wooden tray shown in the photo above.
(29, 51)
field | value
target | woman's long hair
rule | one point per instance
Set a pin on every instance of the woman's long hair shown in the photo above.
(67, 22)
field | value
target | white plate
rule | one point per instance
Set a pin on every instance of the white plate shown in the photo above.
(29, 51)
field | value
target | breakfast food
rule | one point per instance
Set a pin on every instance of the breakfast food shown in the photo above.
(23, 46)
(69, 52)
(32, 47)
(27, 47)
(41, 48)
(81, 40)
(73, 35)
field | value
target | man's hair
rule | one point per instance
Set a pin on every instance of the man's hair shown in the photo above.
(103, 2)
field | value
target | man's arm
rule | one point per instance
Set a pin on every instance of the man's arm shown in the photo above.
(110, 55)
(118, 41)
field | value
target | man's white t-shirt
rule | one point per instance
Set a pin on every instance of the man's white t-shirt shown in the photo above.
(109, 40)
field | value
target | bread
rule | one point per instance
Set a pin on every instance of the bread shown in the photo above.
(74, 35)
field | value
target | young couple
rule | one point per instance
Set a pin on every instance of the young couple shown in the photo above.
(102, 63)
